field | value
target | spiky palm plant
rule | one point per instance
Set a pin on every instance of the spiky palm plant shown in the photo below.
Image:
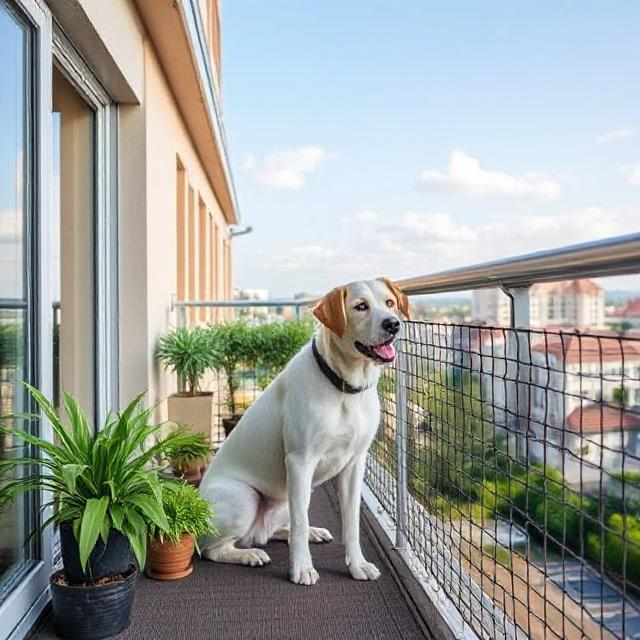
(188, 351)
(98, 481)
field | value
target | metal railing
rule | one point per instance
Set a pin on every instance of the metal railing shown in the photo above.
(507, 463)
(508, 459)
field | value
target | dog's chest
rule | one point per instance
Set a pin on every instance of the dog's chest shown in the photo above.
(346, 433)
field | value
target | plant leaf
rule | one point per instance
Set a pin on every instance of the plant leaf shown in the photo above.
(92, 519)
(117, 515)
(151, 509)
(70, 473)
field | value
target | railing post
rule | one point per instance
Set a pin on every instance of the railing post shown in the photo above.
(518, 370)
(401, 446)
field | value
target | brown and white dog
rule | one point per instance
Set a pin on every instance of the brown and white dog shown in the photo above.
(314, 422)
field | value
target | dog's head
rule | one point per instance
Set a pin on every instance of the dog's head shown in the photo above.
(365, 316)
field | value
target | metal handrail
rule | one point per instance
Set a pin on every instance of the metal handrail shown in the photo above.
(239, 303)
(615, 256)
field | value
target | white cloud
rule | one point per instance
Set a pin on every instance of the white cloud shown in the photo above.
(286, 169)
(416, 243)
(300, 256)
(615, 134)
(633, 175)
(465, 176)
(362, 217)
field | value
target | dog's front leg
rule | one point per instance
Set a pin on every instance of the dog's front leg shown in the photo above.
(299, 478)
(349, 490)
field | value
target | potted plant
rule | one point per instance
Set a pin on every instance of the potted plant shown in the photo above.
(189, 517)
(190, 458)
(188, 352)
(233, 346)
(105, 498)
(277, 343)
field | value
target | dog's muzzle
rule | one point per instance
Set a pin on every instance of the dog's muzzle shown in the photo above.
(384, 352)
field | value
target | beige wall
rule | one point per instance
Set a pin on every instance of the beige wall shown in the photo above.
(155, 152)
(176, 184)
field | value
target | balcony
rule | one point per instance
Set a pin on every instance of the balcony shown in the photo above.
(502, 495)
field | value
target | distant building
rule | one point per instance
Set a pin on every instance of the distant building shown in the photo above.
(250, 294)
(573, 303)
(628, 315)
(577, 304)
(492, 307)
(585, 398)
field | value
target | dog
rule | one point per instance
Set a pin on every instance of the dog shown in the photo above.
(314, 422)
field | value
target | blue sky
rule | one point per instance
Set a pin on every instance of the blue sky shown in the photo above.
(372, 138)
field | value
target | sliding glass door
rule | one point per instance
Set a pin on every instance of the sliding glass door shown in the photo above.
(58, 266)
(16, 220)
(25, 313)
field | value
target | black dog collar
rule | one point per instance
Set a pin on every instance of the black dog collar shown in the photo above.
(339, 383)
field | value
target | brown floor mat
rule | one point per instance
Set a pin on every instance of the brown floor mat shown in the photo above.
(231, 602)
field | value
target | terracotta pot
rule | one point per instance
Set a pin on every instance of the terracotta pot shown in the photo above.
(230, 423)
(195, 412)
(169, 561)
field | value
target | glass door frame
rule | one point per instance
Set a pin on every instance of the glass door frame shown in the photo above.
(24, 604)
(70, 64)
(31, 594)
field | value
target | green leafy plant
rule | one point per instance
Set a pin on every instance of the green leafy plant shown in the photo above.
(276, 343)
(188, 351)
(186, 512)
(234, 346)
(192, 452)
(98, 481)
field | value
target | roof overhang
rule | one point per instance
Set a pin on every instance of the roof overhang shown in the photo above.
(176, 30)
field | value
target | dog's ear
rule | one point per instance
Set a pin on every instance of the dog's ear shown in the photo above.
(402, 299)
(331, 312)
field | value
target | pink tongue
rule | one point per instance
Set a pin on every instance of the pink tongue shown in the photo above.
(385, 351)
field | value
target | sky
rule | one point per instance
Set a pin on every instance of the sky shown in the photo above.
(402, 138)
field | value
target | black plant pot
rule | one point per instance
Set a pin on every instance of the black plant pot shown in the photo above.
(229, 424)
(93, 612)
(110, 560)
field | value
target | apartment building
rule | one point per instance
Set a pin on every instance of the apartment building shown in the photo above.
(115, 195)
(572, 303)
(627, 315)
(585, 404)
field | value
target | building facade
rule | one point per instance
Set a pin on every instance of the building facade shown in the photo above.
(115, 198)
(578, 304)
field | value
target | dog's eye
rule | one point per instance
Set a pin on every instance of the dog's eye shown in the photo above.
(361, 306)
(390, 303)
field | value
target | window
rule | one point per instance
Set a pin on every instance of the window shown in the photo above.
(16, 272)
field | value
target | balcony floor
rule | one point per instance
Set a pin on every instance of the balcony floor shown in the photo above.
(231, 602)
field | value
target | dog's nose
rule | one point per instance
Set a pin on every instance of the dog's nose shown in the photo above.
(392, 325)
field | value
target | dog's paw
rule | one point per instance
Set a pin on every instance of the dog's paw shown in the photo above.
(318, 534)
(306, 575)
(364, 570)
(253, 557)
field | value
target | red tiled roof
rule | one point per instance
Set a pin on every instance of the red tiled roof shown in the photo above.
(584, 286)
(594, 418)
(575, 348)
(631, 309)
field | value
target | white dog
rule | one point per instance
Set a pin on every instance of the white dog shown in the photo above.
(314, 422)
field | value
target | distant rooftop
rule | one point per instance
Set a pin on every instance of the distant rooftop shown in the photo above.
(594, 418)
(575, 348)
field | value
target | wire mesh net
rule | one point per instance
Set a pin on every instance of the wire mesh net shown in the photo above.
(521, 452)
